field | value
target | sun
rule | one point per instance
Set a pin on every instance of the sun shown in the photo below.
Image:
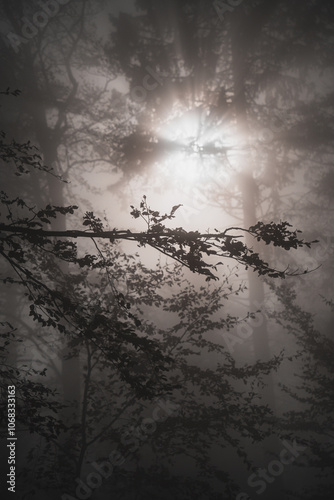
(195, 147)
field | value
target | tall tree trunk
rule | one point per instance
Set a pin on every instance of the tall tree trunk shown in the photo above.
(71, 370)
(242, 36)
(49, 142)
(247, 184)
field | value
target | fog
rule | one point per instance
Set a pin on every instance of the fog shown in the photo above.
(166, 329)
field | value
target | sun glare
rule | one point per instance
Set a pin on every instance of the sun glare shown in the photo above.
(196, 148)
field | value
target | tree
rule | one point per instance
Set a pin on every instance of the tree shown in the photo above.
(104, 327)
(260, 58)
(59, 109)
(312, 421)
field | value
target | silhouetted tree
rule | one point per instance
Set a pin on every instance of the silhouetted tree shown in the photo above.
(97, 319)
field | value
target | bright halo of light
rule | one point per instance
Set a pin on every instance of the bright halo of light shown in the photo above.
(195, 149)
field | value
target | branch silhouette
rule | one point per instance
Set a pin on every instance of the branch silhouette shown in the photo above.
(186, 247)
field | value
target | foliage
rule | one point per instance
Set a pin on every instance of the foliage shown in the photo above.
(108, 327)
(36, 405)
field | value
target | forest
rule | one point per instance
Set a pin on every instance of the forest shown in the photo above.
(166, 257)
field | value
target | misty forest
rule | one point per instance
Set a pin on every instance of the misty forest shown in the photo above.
(166, 251)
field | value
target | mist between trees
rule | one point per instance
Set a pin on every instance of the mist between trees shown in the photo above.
(134, 437)
(30, 28)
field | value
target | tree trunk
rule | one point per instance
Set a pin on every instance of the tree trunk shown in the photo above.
(242, 36)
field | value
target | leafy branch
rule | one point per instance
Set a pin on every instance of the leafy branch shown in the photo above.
(190, 248)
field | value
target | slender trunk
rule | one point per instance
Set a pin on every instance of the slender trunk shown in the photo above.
(49, 142)
(248, 187)
(71, 370)
(70, 364)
